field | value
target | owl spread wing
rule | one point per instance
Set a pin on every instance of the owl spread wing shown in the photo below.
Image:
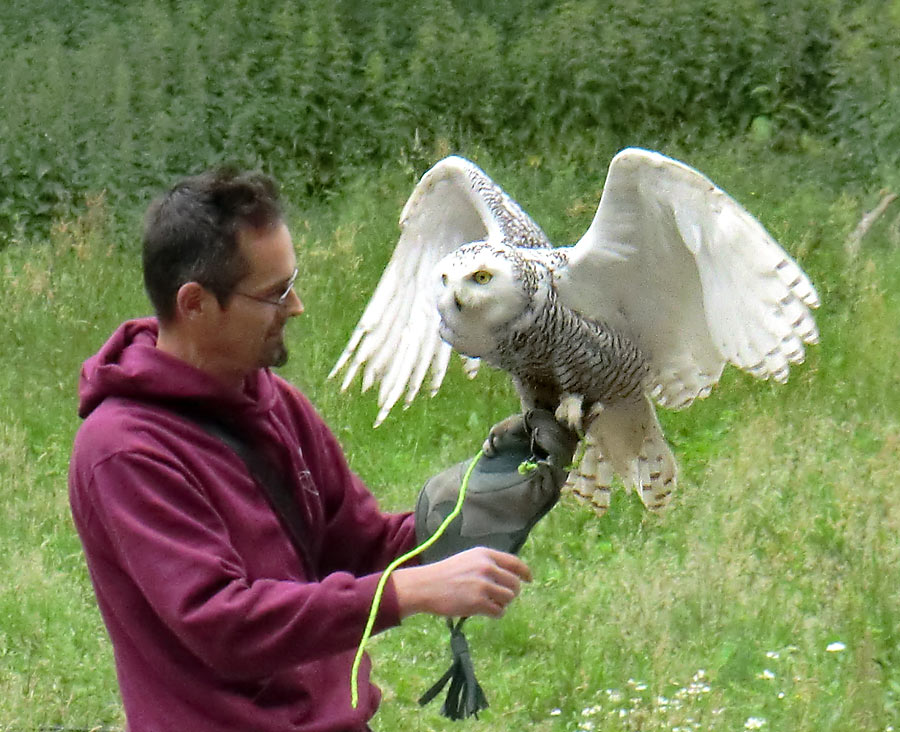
(675, 263)
(397, 336)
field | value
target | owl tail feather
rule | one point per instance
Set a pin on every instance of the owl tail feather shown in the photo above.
(624, 439)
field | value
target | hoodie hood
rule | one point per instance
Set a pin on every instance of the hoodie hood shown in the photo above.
(130, 366)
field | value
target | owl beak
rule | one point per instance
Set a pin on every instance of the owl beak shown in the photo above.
(456, 302)
(449, 302)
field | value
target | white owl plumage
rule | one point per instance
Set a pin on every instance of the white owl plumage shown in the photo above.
(672, 280)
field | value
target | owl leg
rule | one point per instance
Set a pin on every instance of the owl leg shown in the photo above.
(651, 469)
(625, 438)
(513, 423)
(591, 480)
(570, 411)
(657, 470)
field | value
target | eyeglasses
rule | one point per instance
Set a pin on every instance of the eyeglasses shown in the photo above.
(278, 301)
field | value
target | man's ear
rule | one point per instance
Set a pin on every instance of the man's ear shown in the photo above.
(191, 301)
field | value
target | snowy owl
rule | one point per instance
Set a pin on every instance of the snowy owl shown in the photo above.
(672, 280)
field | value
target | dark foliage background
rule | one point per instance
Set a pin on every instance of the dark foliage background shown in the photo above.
(108, 96)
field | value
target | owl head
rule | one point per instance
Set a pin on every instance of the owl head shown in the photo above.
(482, 288)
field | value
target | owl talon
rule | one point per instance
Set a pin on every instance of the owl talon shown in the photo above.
(569, 411)
(514, 423)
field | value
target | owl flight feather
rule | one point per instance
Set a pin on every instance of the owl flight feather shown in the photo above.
(672, 280)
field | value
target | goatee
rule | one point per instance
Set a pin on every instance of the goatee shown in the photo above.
(280, 357)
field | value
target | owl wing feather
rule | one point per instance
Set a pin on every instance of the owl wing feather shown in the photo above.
(696, 281)
(396, 340)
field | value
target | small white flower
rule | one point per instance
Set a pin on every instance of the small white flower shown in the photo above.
(766, 675)
(614, 695)
(661, 701)
(835, 647)
(754, 723)
(555, 712)
(781, 695)
(772, 654)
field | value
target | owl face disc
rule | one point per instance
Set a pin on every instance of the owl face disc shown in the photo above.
(479, 292)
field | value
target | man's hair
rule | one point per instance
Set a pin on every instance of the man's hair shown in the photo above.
(191, 233)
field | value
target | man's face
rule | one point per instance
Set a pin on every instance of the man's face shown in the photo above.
(249, 332)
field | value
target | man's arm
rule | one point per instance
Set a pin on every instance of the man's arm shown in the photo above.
(359, 536)
(168, 564)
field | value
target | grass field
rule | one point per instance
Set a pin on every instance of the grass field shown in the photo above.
(765, 597)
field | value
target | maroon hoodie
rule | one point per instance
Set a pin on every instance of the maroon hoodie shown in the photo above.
(215, 621)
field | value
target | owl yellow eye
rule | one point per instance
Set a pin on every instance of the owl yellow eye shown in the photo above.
(482, 277)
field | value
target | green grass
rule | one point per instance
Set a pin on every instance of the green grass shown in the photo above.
(783, 537)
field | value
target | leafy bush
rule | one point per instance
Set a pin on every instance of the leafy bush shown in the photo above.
(126, 97)
(866, 99)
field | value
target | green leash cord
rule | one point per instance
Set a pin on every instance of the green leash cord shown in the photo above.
(379, 590)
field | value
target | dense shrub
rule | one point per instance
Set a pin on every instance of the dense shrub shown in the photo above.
(865, 105)
(100, 95)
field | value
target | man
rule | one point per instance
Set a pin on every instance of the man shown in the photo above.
(217, 621)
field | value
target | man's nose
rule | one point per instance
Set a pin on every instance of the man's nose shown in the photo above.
(294, 304)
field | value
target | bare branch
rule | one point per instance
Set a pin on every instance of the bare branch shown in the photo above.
(852, 245)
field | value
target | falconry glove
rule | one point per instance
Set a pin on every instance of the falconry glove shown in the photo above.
(511, 487)
(515, 483)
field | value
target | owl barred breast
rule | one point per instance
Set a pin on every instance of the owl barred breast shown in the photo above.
(564, 353)
(672, 281)
(550, 350)
(499, 304)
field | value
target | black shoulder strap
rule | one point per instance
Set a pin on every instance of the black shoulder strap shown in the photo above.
(277, 492)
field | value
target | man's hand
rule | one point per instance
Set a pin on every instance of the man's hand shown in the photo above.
(478, 581)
